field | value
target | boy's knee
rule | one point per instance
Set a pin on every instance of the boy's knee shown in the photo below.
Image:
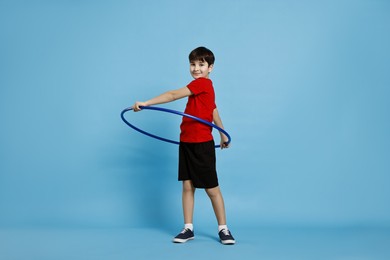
(213, 192)
(188, 187)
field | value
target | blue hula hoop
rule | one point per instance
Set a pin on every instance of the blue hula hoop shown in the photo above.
(172, 112)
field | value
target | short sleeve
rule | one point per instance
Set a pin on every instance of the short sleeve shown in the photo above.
(199, 85)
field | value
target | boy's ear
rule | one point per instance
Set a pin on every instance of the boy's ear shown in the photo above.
(211, 67)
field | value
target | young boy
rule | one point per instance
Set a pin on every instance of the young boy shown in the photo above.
(197, 163)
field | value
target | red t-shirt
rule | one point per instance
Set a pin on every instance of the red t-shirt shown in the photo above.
(200, 104)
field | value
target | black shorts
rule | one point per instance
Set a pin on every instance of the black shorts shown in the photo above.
(197, 163)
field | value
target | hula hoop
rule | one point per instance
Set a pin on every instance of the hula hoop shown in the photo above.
(172, 112)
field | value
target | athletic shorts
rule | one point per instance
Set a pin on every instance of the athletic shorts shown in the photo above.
(197, 163)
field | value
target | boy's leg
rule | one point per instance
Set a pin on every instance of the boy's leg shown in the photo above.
(188, 201)
(216, 198)
(188, 210)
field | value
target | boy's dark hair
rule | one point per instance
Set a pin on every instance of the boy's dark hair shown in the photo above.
(202, 54)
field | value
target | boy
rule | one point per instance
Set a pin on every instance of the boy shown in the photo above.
(197, 163)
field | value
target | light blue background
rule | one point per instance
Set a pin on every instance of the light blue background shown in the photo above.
(302, 87)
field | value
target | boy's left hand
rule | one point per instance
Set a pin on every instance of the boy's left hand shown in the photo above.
(224, 144)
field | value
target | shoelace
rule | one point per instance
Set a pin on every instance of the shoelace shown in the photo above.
(184, 230)
(225, 232)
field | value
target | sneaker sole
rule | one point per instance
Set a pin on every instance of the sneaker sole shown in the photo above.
(179, 240)
(228, 242)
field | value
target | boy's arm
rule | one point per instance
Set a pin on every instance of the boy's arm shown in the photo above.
(218, 122)
(166, 97)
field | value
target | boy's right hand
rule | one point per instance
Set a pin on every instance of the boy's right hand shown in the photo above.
(137, 105)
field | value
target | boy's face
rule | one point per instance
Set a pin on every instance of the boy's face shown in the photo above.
(200, 69)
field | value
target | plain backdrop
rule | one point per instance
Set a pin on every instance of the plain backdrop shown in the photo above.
(301, 86)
